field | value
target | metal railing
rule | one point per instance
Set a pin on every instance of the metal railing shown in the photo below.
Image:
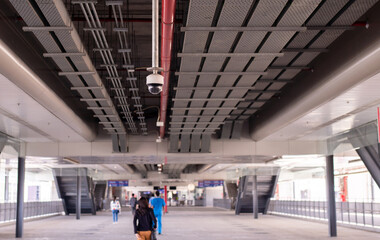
(362, 213)
(31, 210)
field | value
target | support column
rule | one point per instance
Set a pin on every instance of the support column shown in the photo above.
(166, 199)
(255, 198)
(331, 210)
(79, 196)
(20, 197)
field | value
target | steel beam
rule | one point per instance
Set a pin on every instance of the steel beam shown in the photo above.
(206, 99)
(120, 29)
(204, 108)
(95, 29)
(78, 205)
(20, 197)
(296, 50)
(331, 207)
(243, 29)
(199, 116)
(85, 88)
(93, 99)
(255, 198)
(248, 88)
(221, 73)
(47, 28)
(124, 50)
(76, 54)
(75, 73)
(230, 54)
(99, 108)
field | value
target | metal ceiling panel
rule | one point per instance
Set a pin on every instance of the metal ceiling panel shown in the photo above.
(186, 81)
(289, 74)
(266, 13)
(173, 143)
(326, 39)
(285, 60)
(249, 42)
(195, 143)
(328, 10)
(226, 130)
(237, 129)
(194, 42)
(298, 12)
(185, 143)
(302, 39)
(305, 59)
(201, 13)
(356, 10)
(205, 143)
(222, 42)
(234, 12)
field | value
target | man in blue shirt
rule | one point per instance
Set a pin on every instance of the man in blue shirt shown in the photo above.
(157, 203)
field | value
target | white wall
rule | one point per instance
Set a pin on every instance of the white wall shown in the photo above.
(211, 193)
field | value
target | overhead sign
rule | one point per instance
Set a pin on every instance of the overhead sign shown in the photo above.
(210, 183)
(119, 183)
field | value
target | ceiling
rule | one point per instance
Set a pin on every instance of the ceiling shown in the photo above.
(233, 62)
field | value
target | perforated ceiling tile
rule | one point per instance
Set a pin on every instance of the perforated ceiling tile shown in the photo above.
(28, 15)
(234, 13)
(272, 73)
(47, 41)
(249, 42)
(226, 80)
(194, 42)
(186, 80)
(213, 64)
(230, 103)
(222, 42)
(266, 13)
(201, 13)
(328, 10)
(277, 86)
(285, 60)
(219, 93)
(183, 93)
(238, 93)
(302, 39)
(67, 42)
(260, 64)
(326, 38)
(298, 12)
(276, 42)
(289, 74)
(180, 104)
(356, 10)
(305, 59)
(51, 12)
(190, 64)
(236, 64)
(247, 80)
(206, 81)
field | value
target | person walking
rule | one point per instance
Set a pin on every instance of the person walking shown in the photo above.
(158, 203)
(116, 209)
(144, 220)
(132, 202)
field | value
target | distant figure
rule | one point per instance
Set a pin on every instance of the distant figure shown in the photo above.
(143, 220)
(158, 203)
(132, 202)
(116, 209)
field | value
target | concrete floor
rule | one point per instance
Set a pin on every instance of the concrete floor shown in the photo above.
(183, 224)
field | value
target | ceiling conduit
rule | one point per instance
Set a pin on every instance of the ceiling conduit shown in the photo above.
(168, 12)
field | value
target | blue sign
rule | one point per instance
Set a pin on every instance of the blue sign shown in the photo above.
(122, 183)
(210, 183)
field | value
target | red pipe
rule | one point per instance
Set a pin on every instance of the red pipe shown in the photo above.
(168, 13)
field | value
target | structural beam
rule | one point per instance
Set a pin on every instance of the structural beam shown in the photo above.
(230, 54)
(78, 205)
(331, 207)
(243, 29)
(20, 197)
(255, 197)
(221, 73)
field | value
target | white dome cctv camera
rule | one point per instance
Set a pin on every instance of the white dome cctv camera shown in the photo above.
(155, 82)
